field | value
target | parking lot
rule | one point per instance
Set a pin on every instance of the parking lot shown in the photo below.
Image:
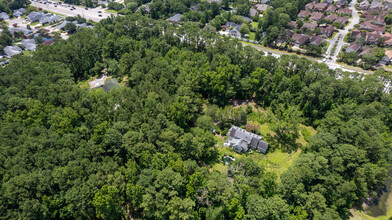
(95, 14)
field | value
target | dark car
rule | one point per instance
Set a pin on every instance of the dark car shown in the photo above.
(99, 15)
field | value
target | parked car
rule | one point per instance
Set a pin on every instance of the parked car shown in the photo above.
(99, 11)
(99, 15)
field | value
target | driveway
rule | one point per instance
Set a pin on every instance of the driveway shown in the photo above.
(91, 13)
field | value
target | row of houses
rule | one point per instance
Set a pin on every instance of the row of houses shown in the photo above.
(375, 5)
(366, 50)
(17, 13)
(43, 18)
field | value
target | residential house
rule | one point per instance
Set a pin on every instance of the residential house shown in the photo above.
(320, 7)
(12, 50)
(375, 19)
(253, 12)
(241, 140)
(331, 9)
(261, 7)
(49, 18)
(354, 47)
(356, 34)
(376, 5)
(387, 36)
(364, 5)
(293, 24)
(331, 17)
(341, 3)
(300, 39)
(175, 19)
(302, 14)
(29, 44)
(4, 16)
(328, 2)
(19, 12)
(310, 26)
(20, 29)
(316, 40)
(371, 27)
(316, 16)
(35, 16)
(372, 37)
(386, 60)
(365, 51)
(388, 43)
(234, 29)
(328, 31)
(345, 11)
(104, 83)
(309, 6)
(342, 20)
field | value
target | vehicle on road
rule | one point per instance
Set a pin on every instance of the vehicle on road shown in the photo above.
(99, 15)
(86, 8)
(324, 60)
(99, 11)
(269, 53)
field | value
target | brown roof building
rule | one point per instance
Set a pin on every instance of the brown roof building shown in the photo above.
(331, 17)
(354, 47)
(316, 16)
(328, 31)
(309, 6)
(310, 26)
(320, 6)
(303, 14)
(372, 37)
(316, 40)
(300, 39)
(331, 9)
(345, 11)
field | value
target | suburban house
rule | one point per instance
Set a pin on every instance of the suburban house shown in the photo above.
(376, 5)
(345, 11)
(309, 6)
(261, 7)
(175, 19)
(320, 7)
(331, 18)
(12, 50)
(364, 5)
(328, 2)
(354, 47)
(233, 29)
(300, 39)
(331, 9)
(341, 3)
(328, 31)
(4, 16)
(35, 16)
(372, 37)
(316, 40)
(49, 18)
(19, 12)
(241, 140)
(253, 12)
(356, 33)
(20, 29)
(104, 83)
(387, 36)
(315, 16)
(368, 26)
(29, 44)
(386, 60)
(342, 20)
(310, 26)
(293, 24)
(302, 14)
(388, 43)
(365, 51)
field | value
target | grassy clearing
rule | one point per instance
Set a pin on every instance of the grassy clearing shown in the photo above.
(275, 160)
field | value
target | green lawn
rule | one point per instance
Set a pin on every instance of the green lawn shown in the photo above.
(252, 36)
(27, 53)
(254, 24)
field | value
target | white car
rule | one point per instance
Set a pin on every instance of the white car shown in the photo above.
(324, 60)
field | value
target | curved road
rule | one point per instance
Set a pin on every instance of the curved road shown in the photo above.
(353, 21)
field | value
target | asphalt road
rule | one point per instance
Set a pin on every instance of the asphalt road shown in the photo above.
(91, 13)
(353, 21)
(331, 65)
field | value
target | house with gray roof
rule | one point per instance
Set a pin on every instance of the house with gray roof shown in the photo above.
(19, 12)
(175, 19)
(49, 18)
(104, 83)
(20, 29)
(35, 16)
(12, 50)
(241, 141)
(29, 44)
(4, 16)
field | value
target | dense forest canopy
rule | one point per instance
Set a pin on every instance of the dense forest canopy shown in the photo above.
(144, 150)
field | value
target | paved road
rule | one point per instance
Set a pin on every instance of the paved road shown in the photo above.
(353, 21)
(331, 65)
(91, 13)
